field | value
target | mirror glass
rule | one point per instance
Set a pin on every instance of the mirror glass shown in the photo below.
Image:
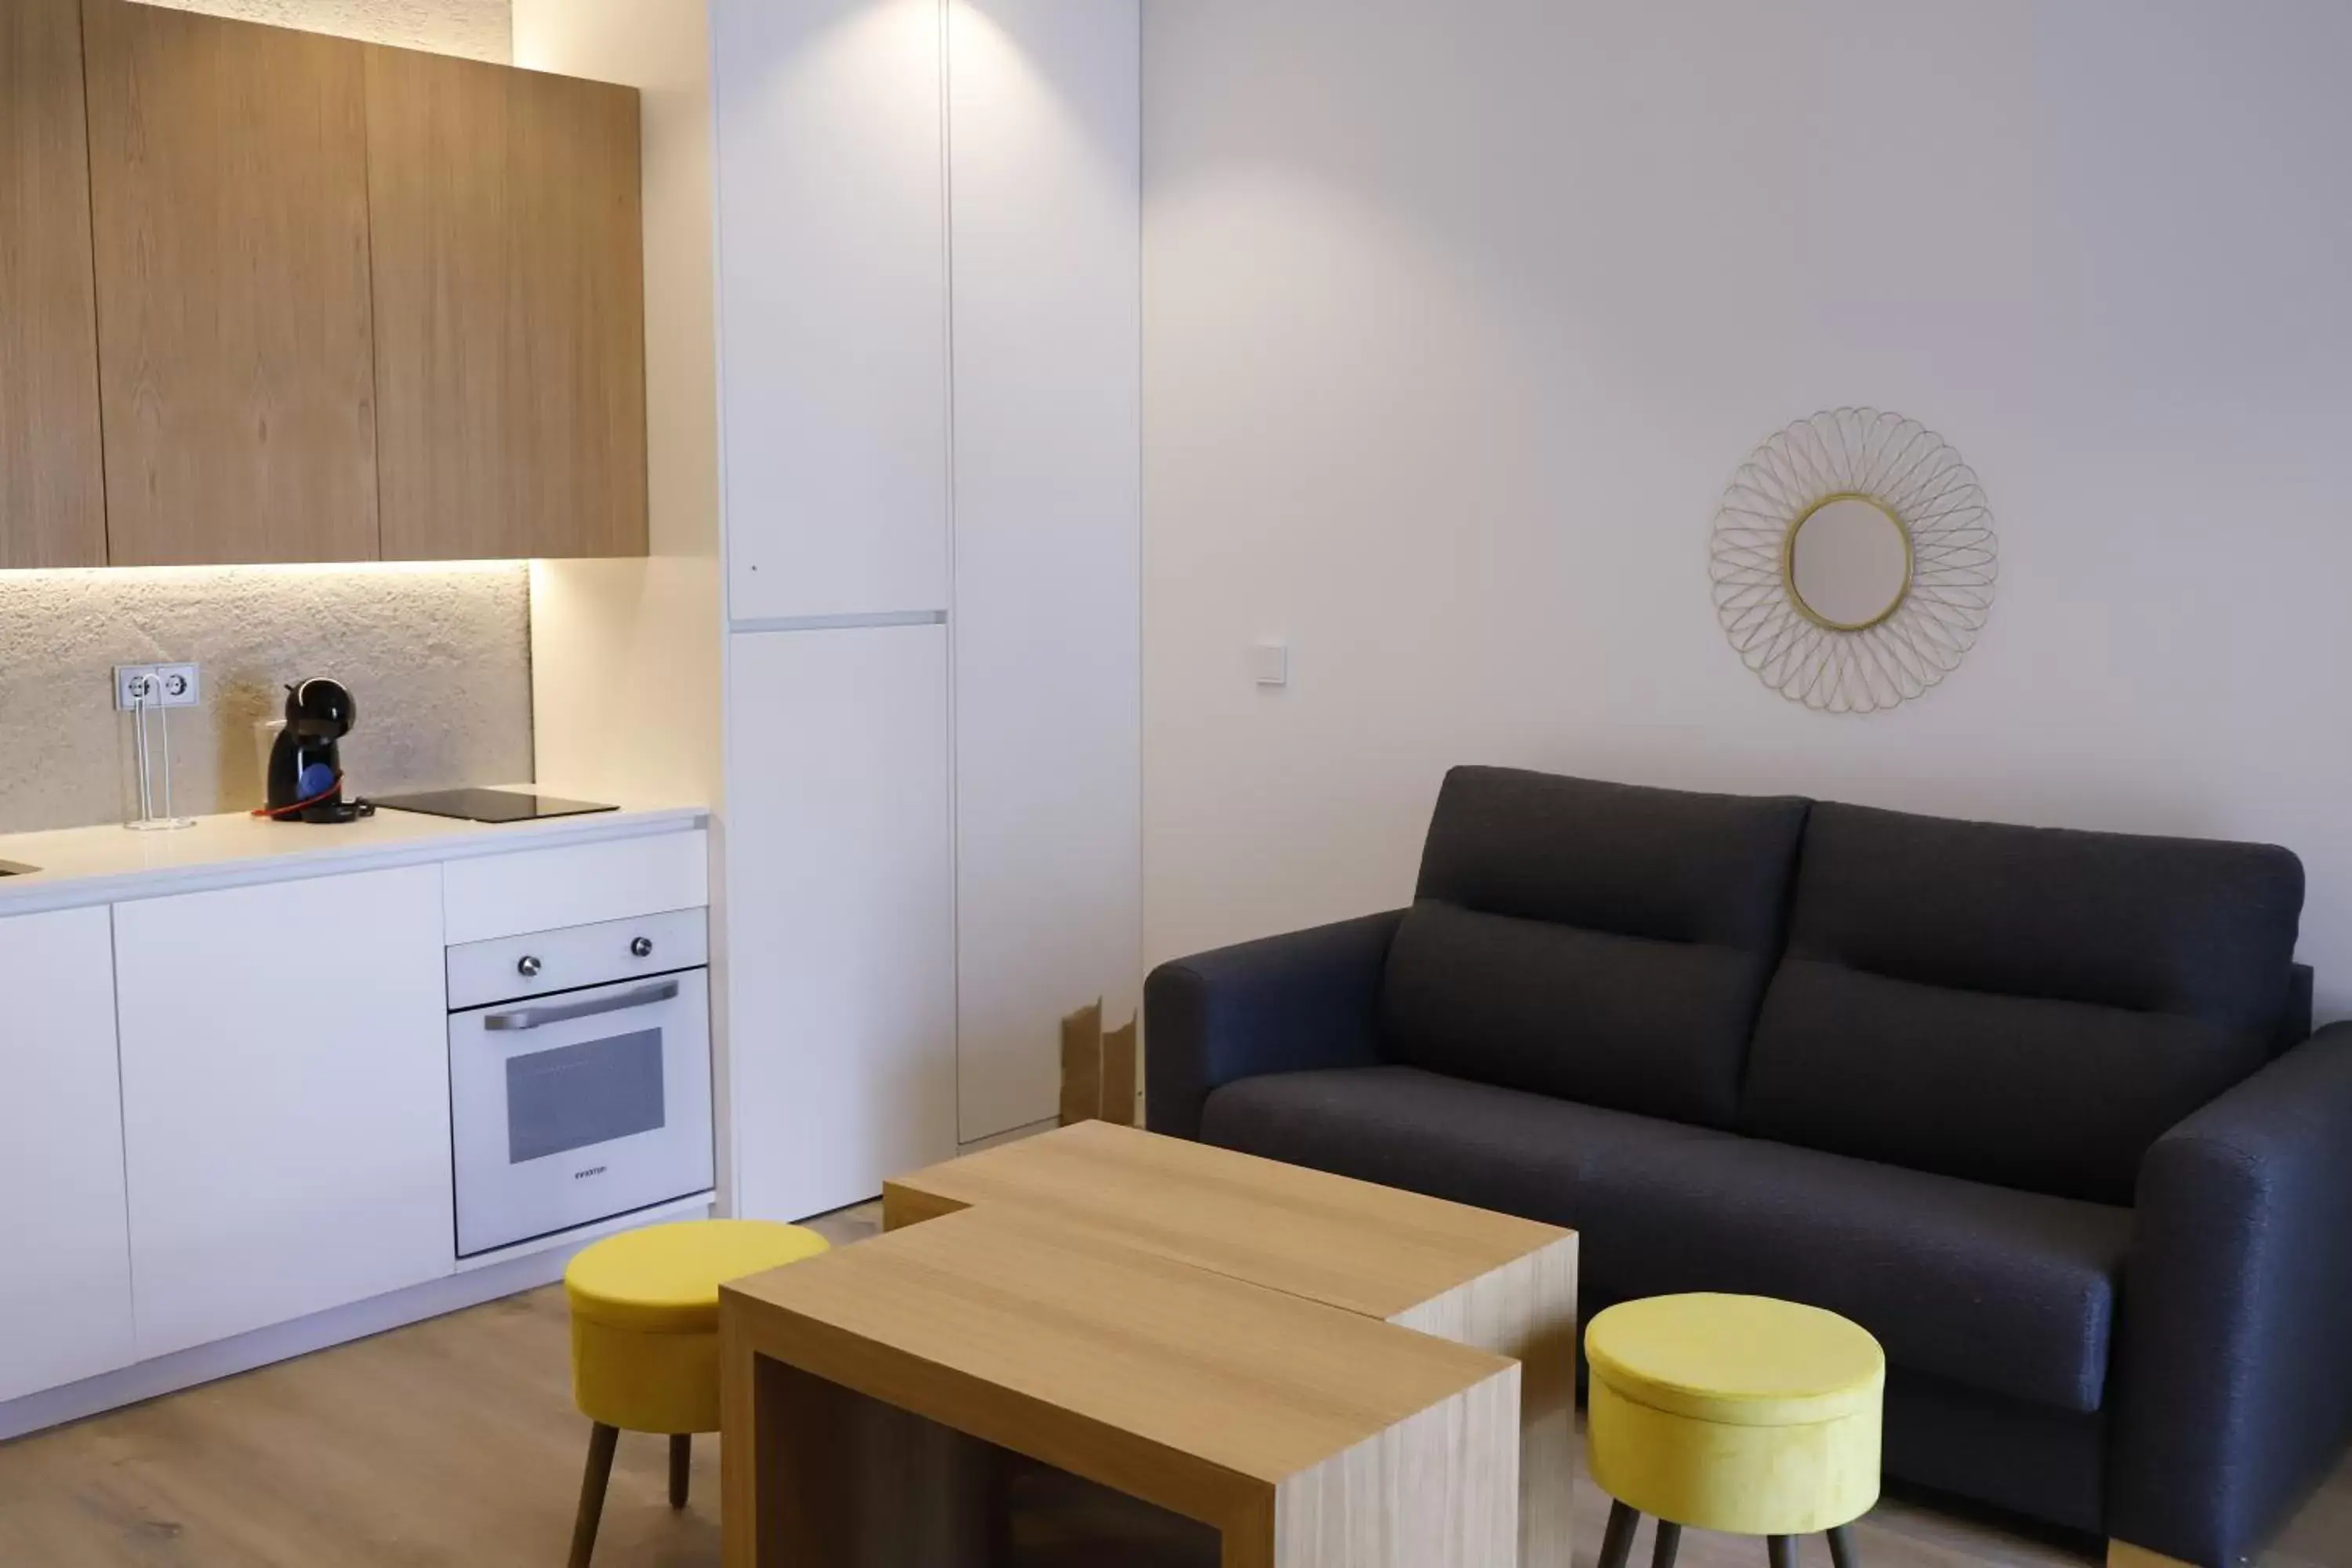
(1849, 563)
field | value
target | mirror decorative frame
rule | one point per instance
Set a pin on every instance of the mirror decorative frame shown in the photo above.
(1915, 478)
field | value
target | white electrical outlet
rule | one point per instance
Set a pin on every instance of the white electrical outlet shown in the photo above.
(136, 686)
(183, 684)
(157, 686)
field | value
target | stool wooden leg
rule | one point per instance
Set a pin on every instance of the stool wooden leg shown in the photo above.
(681, 1468)
(1669, 1542)
(1783, 1549)
(1842, 1553)
(601, 1440)
(1617, 1544)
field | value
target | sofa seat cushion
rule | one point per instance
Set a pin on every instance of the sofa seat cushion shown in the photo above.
(2011, 1293)
(1605, 943)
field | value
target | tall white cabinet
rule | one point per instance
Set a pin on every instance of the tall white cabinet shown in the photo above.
(922, 298)
(929, 325)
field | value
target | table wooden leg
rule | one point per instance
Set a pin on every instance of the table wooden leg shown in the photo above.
(1438, 1490)
(817, 1474)
(1526, 1310)
(741, 1455)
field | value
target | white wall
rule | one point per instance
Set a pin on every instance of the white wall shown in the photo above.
(1459, 316)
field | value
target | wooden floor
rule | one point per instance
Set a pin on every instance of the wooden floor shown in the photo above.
(454, 1445)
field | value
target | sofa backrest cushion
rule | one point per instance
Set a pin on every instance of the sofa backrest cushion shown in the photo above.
(2027, 1007)
(1602, 942)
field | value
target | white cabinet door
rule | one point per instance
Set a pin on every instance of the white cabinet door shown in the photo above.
(1044, 116)
(285, 1099)
(840, 915)
(831, 276)
(65, 1280)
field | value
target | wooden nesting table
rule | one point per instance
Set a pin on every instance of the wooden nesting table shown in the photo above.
(1219, 1337)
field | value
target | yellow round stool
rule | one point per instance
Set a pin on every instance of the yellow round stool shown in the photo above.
(1733, 1412)
(644, 1339)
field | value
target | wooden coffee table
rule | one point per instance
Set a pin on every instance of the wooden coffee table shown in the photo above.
(1496, 1282)
(872, 1396)
(1215, 1335)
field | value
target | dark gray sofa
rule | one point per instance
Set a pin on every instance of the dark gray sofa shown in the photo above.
(2040, 1109)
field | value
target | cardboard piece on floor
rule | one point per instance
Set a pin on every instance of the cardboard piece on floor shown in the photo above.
(1118, 1073)
(1082, 1064)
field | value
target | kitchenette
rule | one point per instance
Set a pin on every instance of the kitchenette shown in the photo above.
(495, 750)
(261, 1073)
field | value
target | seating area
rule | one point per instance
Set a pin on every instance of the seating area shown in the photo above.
(2037, 1108)
(1175, 783)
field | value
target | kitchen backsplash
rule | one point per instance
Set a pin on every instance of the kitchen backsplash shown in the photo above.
(483, 29)
(438, 658)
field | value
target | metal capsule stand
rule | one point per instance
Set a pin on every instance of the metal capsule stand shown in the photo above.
(150, 694)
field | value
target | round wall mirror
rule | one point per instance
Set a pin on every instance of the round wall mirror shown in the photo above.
(1825, 533)
(1848, 564)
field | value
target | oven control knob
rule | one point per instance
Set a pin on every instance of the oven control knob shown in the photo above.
(643, 947)
(528, 968)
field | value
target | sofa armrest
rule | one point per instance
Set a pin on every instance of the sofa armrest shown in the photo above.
(1286, 1004)
(2234, 1385)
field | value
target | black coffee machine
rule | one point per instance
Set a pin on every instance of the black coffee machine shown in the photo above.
(306, 763)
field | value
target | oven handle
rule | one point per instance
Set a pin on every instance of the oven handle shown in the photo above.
(533, 1017)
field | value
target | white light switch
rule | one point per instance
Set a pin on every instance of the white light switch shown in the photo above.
(1270, 663)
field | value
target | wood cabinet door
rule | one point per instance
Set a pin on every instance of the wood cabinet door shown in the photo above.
(285, 1099)
(52, 486)
(510, 310)
(228, 182)
(65, 1284)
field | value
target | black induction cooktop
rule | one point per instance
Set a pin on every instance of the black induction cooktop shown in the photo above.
(490, 805)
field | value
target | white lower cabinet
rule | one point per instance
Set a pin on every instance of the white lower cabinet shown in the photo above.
(65, 1280)
(285, 1099)
(841, 915)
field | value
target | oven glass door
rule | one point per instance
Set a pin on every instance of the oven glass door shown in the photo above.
(574, 1108)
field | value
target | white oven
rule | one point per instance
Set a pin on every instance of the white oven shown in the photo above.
(579, 1075)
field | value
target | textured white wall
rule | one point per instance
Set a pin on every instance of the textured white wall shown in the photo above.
(482, 29)
(438, 658)
(1459, 316)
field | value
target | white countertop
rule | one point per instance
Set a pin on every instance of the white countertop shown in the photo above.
(81, 865)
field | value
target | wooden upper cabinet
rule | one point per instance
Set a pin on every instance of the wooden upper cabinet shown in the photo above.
(52, 486)
(228, 179)
(510, 310)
